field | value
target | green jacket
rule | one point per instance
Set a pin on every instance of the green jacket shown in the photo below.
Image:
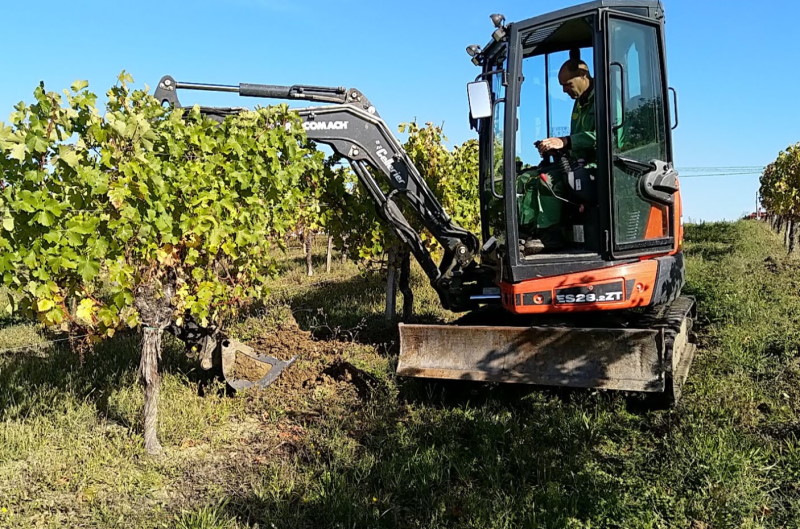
(583, 130)
(539, 204)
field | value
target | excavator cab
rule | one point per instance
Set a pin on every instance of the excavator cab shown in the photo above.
(612, 197)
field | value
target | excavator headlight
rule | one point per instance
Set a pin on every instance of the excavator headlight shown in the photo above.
(498, 20)
(474, 51)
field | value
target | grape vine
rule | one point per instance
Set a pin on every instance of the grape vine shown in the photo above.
(144, 214)
(137, 215)
(780, 193)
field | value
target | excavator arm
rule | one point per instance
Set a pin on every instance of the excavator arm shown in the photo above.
(352, 127)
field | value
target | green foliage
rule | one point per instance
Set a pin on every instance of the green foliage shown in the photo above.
(451, 174)
(349, 213)
(94, 205)
(780, 184)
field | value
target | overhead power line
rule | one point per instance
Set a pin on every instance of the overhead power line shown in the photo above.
(684, 175)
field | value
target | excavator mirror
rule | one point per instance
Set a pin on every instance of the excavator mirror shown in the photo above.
(480, 100)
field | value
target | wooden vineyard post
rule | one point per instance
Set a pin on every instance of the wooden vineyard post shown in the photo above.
(787, 234)
(329, 255)
(398, 278)
(308, 242)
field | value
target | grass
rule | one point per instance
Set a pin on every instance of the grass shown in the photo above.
(311, 451)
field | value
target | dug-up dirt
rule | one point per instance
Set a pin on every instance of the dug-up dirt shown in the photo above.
(247, 368)
(329, 372)
(331, 380)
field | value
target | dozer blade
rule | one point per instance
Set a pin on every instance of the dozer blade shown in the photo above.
(653, 356)
(243, 368)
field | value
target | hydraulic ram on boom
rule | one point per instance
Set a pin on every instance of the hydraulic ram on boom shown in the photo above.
(352, 127)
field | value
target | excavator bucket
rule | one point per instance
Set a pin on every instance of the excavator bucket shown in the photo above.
(243, 368)
(647, 353)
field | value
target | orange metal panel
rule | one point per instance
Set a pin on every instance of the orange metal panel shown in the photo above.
(656, 223)
(537, 296)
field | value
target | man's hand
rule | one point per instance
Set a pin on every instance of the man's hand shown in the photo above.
(550, 144)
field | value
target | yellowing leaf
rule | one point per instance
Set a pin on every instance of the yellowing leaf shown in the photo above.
(68, 155)
(167, 255)
(117, 196)
(79, 85)
(132, 320)
(124, 77)
(85, 311)
(18, 151)
(193, 241)
(44, 305)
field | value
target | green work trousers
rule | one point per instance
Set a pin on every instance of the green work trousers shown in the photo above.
(538, 192)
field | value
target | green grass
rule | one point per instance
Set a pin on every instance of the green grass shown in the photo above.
(410, 453)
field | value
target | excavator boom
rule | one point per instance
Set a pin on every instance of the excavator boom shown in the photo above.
(355, 131)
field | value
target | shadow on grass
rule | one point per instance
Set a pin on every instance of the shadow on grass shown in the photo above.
(353, 310)
(31, 382)
(492, 457)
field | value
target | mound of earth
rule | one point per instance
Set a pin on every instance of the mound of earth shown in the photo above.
(322, 368)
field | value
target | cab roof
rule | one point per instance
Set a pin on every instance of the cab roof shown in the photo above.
(646, 8)
(546, 33)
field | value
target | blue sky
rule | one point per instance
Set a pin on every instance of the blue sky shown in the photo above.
(733, 63)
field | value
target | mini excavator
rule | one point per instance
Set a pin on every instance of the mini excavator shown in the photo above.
(602, 311)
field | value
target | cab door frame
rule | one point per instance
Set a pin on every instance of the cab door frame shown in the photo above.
(519, 268)
(619, 250)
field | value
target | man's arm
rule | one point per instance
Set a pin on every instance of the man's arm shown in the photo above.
(584, 144)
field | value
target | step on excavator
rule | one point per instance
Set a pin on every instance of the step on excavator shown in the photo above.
(600, 309)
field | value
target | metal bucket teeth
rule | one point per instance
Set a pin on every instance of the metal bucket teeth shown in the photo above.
(243, 368)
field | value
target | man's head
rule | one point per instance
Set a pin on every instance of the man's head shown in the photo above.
(574, 78)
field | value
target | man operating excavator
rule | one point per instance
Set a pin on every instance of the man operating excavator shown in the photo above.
(546, 191)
